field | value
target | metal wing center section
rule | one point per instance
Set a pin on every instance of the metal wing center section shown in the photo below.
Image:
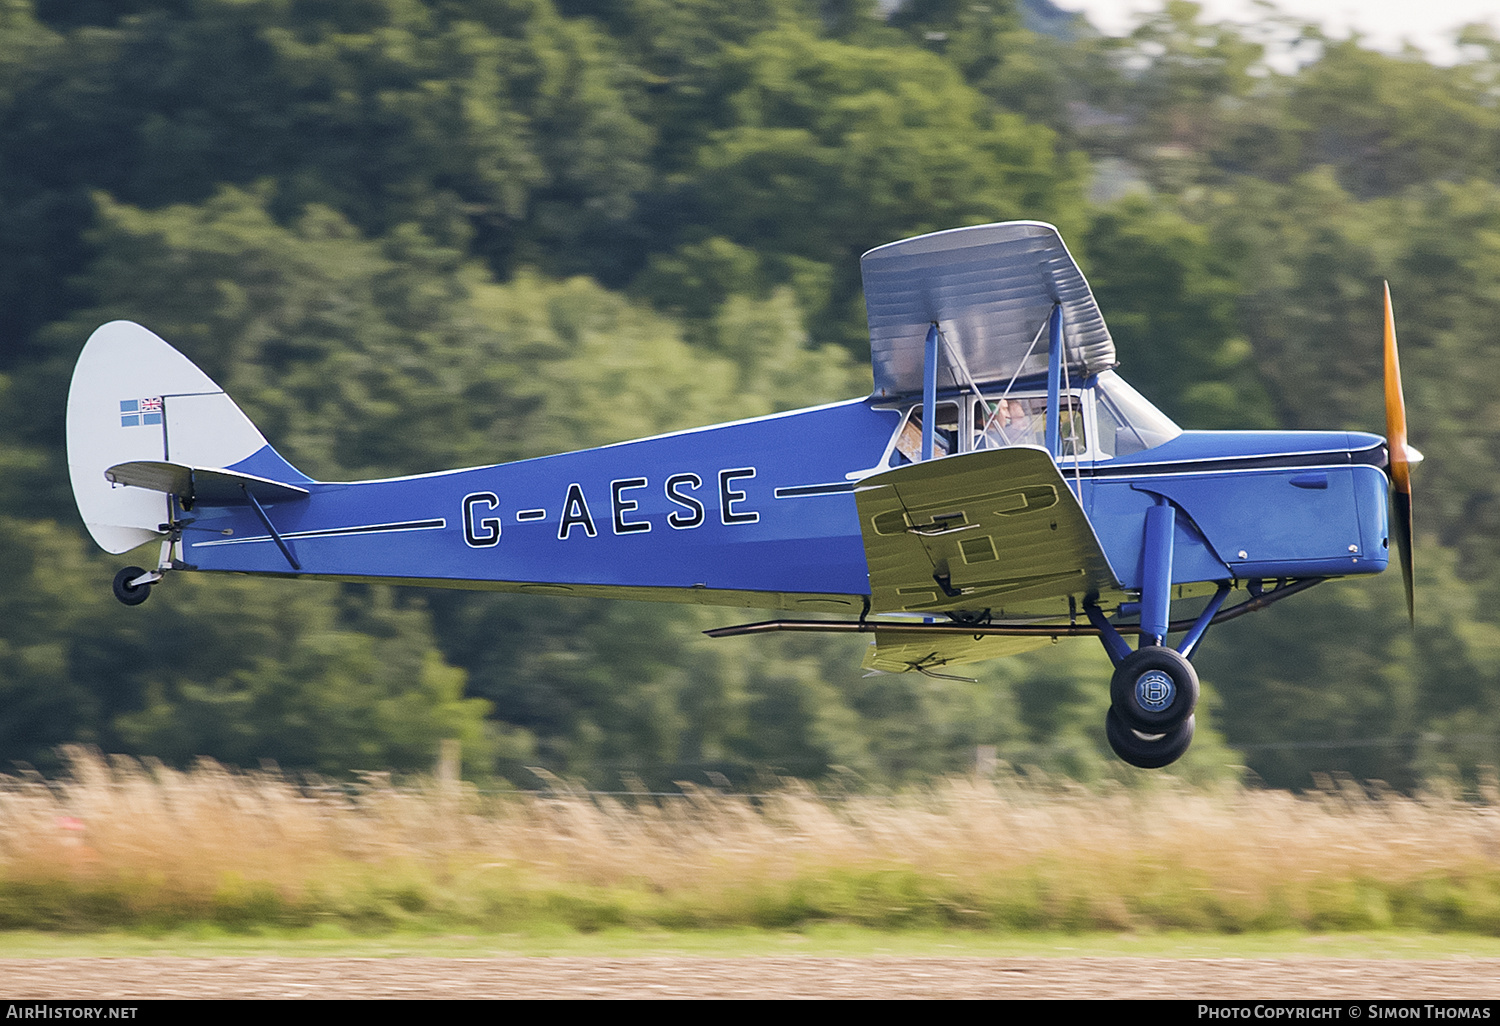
(991, 529)
(990, 289)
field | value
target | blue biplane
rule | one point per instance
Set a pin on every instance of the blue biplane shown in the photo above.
(1001, 487)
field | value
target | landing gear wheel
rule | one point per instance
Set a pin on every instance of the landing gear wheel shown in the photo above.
(1151, 751)
(1154, 689)
(131, 595)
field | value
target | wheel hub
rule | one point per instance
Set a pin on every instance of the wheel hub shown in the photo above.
(1154, 690)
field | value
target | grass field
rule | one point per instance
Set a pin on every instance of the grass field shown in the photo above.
(213, 857)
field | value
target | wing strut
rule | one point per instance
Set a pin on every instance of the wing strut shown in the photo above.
(929, 390)
(1054, 381)
(275, 536)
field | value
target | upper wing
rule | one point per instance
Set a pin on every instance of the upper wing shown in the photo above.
(983, 530)
(990, 289)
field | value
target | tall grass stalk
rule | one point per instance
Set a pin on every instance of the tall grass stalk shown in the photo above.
(122, 844)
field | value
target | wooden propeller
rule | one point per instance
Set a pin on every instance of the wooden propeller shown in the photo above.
(1403, 456)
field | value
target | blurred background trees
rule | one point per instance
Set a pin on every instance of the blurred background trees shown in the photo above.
(414, 234)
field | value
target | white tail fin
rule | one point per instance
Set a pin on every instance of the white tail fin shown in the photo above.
(135, 398)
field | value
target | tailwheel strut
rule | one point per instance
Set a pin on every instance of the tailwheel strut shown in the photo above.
(132, 585)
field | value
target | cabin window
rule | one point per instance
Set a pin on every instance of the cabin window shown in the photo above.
(1010, 421)
(1023, 421)
(945, 435)
(991, 423)
(1070, 428)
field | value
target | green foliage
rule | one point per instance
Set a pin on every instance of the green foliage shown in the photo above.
(312, 685)
(48, 618)
(503, 120)
(1387, 123)
(235, 669)
(1170, 295)
(834, 148)
(1024, 72)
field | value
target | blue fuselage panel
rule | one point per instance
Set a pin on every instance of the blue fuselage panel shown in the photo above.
(759, 505)
(1256, 504)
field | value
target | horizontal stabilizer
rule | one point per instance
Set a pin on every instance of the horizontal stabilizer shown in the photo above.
(193, 485)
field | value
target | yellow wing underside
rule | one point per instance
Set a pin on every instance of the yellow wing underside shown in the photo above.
(896, 652)
(997, 530)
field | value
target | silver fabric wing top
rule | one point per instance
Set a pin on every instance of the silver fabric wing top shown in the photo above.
(990, 288)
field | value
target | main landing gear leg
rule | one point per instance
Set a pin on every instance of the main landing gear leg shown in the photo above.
(1154, 689)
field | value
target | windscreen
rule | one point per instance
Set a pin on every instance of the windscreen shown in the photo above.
(1128, 423)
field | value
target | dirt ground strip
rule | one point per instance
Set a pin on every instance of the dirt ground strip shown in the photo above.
(1234, 979)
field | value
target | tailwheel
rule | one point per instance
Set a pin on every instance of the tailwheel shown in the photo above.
(1148, 751)
(129, 588)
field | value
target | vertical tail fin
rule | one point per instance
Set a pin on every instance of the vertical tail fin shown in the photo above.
(135, 398)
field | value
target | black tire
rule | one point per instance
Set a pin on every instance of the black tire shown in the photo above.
(131, 596)
(1153, 751)
(1154, 689)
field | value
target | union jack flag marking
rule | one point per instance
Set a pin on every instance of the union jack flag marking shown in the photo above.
(140, 412)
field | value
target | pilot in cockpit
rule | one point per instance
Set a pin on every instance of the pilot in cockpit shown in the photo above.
(1014, 422)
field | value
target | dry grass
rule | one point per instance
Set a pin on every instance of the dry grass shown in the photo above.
(121, 844)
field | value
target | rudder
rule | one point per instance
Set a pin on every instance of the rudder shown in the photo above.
(135, 398)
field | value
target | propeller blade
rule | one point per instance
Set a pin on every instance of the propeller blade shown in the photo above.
(1402, 456)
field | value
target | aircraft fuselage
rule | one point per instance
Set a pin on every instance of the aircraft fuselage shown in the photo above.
(762, 513)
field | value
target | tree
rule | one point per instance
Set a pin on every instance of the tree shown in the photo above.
(1169, 295)
(833, 148)
(236, 670)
